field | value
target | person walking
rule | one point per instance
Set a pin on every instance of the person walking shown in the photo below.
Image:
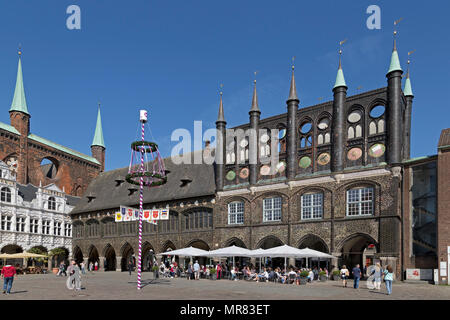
(356, 276)
(83, 270)
(376, 273)
(130, 266)
(62, 269)
(189, 271)
(8, 273)
(74, 279)
(197, 270)
(219, 271)
(388, 278)
(96, 265)
(90, 267)
(344, 275)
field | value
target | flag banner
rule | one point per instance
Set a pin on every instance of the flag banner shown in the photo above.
(136, 215)
(146, 215)
(151, 221)
(155, 214)
(118, 216)
(164, 215)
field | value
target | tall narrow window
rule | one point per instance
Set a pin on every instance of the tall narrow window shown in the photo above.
(51, 203)
(57, 228)
(20, 224)
(312, 206)
(46, 226)
(5, 194)
(236, 213)
(6, 223)
(360, 202)
(34, 226)
(272, 209)
(67, 230)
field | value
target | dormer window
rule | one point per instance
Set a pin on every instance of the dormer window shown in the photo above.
(119, 181)
(185, 181)
(5, 194)
(90, 197)
(132, 190)
(51, 203)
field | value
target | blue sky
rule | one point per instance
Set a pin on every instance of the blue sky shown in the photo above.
(171, 56)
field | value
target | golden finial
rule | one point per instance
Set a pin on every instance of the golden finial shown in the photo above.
(409, 61)
(293, 62)
(20, 49)
(254, 81)
(221, 87)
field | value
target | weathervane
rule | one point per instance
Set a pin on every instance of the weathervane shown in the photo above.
(340, 50)
(20, 49)
(293, 62)
(409, 60)
(396, 22)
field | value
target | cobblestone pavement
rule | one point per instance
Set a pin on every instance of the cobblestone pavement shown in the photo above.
(120, 285)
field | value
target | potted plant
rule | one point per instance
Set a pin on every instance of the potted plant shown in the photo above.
(323, 276)
(304, 277)
(213, 273)
(155, 270)
(336, 275)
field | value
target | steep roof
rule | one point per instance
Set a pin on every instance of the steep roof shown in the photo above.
(19, 102)
(109, 195)
(28, 193)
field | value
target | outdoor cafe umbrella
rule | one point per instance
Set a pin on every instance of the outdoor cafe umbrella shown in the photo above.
(186, 252)
(232, 251)
(26, 255)
(283, 251)
(257, 253)
(310, 253)
(5, 256)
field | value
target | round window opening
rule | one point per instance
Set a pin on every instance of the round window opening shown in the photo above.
(324, 124)
(281, 133)
(377, 111)
(355, 116)
(49, 168)
(306, 127)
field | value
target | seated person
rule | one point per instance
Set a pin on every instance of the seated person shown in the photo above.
(233, 274)
(263, 276)
(310, 276)
(272, 275)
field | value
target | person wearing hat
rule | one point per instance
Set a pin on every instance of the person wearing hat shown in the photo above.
(8, 273)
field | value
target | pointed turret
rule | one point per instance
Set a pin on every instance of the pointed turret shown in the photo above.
(338, 137)
(395, 119)
(98, 144)
(340, 80)
(98, 136)
(409, 97)
(255, 99)
(407, 90)
(221, 116)
(19, 102)
(220, 146)
(291, 136)
(395, 61)
(293, 88)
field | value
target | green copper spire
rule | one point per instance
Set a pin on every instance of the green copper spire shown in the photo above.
(19, 102)
(395, 62)
(407, 90)
(98, 136)
(340, 80)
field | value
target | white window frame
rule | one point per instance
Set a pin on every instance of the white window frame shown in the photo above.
(67, 230)
(6, 222)
(46, 227)
(20, 224)
(271, 212)
(5, 193)
(236, 212)
(362, 205)
(57, 228)
(51, 203)
(314, 206)
(34, 225)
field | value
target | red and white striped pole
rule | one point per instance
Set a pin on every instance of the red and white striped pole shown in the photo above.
(143, 119)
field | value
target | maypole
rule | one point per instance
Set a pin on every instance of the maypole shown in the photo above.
(150, 177)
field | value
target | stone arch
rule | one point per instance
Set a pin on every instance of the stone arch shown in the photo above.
(271, 193)
(199, 244)
(166, 245)
(269, 242)
(309, 189)
(314, 242)
(77, 254)
(352, 248)
(56, 260)
(236, 242)
(93, 255)
(12, 248)
(110, 258)
(148, 256)
(49, 168)
(127, 254)
(230, 199)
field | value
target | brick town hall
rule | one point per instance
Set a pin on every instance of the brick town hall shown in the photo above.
(344, 184)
